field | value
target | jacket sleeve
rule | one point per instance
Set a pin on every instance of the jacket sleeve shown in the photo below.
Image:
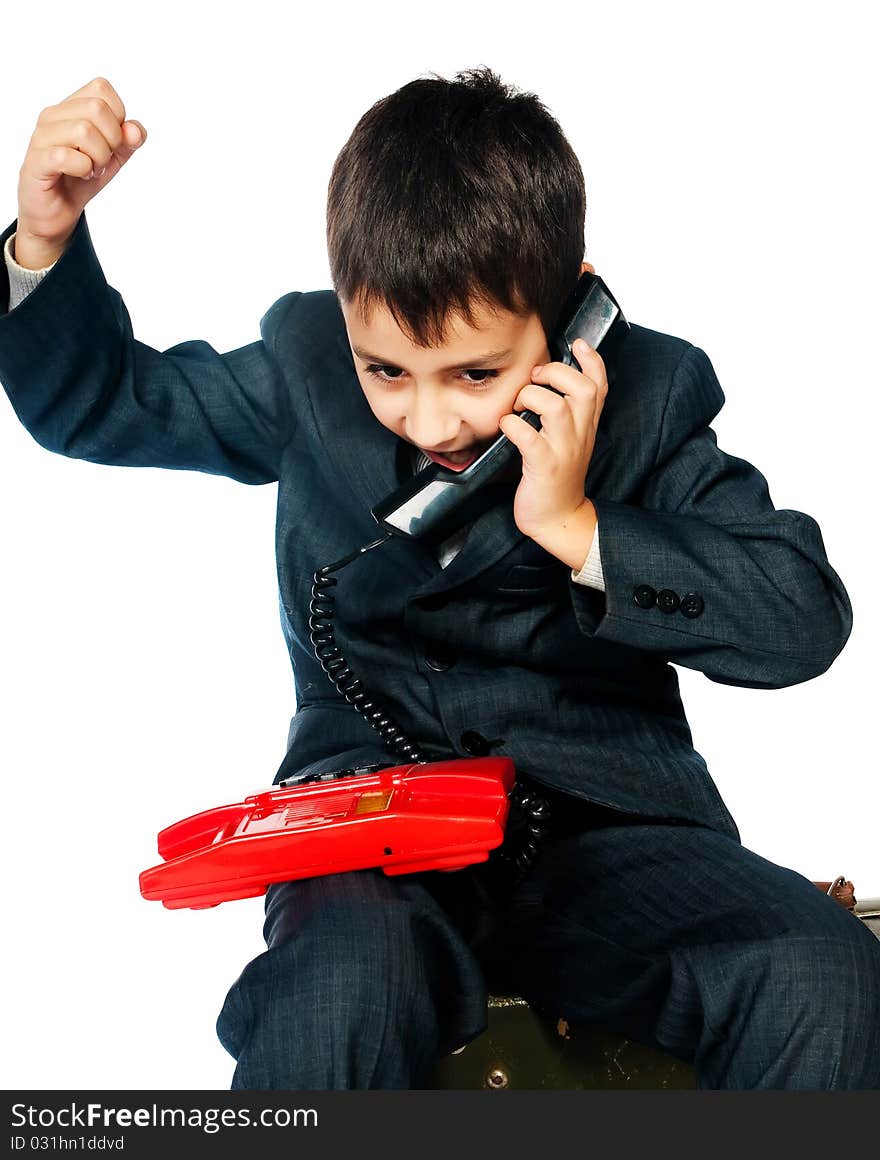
(84, 386)
(705, 572)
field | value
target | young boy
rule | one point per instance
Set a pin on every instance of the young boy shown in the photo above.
(624, 540)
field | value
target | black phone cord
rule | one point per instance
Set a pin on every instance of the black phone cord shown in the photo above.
(337, 669)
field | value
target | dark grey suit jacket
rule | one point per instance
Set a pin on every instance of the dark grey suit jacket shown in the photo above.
(500, 652)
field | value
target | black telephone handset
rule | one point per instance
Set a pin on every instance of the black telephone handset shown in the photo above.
(437, 501)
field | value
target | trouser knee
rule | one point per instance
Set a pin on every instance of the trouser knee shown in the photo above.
(347, 1001)
(798, 1011)
(834, 997)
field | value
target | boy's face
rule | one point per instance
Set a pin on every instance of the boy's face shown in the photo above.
(446, 400)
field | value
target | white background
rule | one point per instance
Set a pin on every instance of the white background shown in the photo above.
(729, 158)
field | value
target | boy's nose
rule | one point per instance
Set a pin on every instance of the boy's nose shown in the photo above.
(437, 448)
(433, 435)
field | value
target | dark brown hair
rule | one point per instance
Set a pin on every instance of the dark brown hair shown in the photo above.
(453, 193)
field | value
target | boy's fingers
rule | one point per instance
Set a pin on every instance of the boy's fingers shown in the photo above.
(101, 87)
(570, 378)
(592, 363)
(518, 430)
(576, 404)
(541, 398)
(134, 136)
(97, 135)
(134, 132)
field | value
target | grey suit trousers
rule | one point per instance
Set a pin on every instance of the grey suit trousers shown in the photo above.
(671, 934)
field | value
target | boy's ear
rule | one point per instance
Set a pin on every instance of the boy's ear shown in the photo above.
(586, 266)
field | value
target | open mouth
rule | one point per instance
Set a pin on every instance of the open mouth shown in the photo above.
(457, 460)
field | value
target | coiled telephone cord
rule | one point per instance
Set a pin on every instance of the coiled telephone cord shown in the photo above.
(512, 859)
(337, 668)
(514, 863)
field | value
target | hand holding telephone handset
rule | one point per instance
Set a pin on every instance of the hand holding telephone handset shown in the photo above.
(437, 500)
(382, 815)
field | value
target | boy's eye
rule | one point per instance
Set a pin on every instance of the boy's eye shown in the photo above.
(379, 371)
(388, 374)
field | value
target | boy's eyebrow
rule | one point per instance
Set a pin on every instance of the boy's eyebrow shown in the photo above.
(479, 360)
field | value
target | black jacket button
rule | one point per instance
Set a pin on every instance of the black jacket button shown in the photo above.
(644, 595)
(440, 656)
(474, 743)
(691, 604)
(667, 600)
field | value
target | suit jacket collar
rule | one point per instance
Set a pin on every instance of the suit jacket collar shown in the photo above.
(370, 461)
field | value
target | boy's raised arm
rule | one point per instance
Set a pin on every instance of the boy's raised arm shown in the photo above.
(83, 386)
(705, 571)
(76, 376)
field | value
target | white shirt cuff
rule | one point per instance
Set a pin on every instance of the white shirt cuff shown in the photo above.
(21, 280)
(591, 573)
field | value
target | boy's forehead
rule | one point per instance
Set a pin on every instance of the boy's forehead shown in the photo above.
(376, 333)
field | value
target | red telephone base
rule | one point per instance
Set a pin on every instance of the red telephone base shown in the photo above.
(440, 815)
